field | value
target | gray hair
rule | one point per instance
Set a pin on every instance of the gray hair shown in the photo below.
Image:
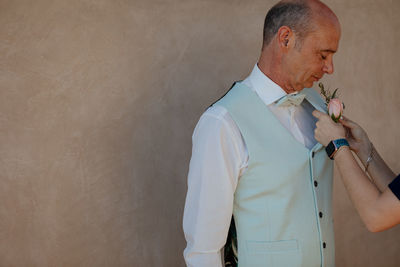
(295, 14)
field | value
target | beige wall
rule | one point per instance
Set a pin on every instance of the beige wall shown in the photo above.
(98, 101)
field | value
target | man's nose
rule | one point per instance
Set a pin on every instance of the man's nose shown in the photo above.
(328, 66)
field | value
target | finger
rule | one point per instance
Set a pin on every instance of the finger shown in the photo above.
(318, 114)
(345, 118)
(316, 135)
(348, 123)
(348, 132)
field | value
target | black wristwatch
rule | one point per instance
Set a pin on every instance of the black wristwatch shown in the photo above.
(334, 146)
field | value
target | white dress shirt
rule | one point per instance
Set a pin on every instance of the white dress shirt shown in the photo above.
(219, 158)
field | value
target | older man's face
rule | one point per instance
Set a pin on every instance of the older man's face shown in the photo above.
(308, 64)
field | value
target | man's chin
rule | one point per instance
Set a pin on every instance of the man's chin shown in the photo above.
(302, 86)
(309, 84)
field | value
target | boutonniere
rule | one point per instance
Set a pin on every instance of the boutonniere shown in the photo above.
(334, 106)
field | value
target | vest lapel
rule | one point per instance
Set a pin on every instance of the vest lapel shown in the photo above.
(315, 99)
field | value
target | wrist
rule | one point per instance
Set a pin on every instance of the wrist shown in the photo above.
(341, 152)
(369, 158)
(364, 146)
(364, 152)
(339, 136)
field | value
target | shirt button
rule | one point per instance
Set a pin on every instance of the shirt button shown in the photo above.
(320, 214)
(315, 183)
(313, 154)
(324, 245)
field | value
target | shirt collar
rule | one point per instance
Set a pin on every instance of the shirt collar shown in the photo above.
(264, 87)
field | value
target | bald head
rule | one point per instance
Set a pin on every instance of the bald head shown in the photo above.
(322, 14)
(301, 16)
(321, 10)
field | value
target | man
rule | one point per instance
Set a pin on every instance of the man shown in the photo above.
(254, 154)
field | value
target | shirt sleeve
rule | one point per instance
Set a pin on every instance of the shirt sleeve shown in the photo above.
(395, 186)
(218, 157)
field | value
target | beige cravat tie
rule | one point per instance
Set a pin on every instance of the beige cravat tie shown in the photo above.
(291, 100)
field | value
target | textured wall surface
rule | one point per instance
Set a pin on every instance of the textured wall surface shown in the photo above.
(98, 102)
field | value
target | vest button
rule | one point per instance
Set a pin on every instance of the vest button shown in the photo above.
(315, 183)
(320, 214)
(324, 245)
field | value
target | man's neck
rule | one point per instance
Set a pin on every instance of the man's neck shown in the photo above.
(271, 66)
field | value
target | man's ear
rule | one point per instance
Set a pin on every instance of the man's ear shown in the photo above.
(286, 38)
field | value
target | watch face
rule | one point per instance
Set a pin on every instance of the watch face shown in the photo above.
(334, 145)
(330, 149)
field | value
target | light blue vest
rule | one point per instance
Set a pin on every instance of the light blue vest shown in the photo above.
(282, 204)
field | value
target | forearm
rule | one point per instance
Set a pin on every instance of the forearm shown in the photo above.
(378, 170)
(206, 221)
(207, 212)
(363, 193)
(207, 215)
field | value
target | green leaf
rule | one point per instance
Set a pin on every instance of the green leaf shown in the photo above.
(321, 85)
(323, 92)
(334, 118)
(334, 93)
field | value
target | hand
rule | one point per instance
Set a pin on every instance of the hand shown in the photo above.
(327, 130)
(357, 137)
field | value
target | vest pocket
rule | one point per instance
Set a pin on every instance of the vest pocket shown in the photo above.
(282, 253)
